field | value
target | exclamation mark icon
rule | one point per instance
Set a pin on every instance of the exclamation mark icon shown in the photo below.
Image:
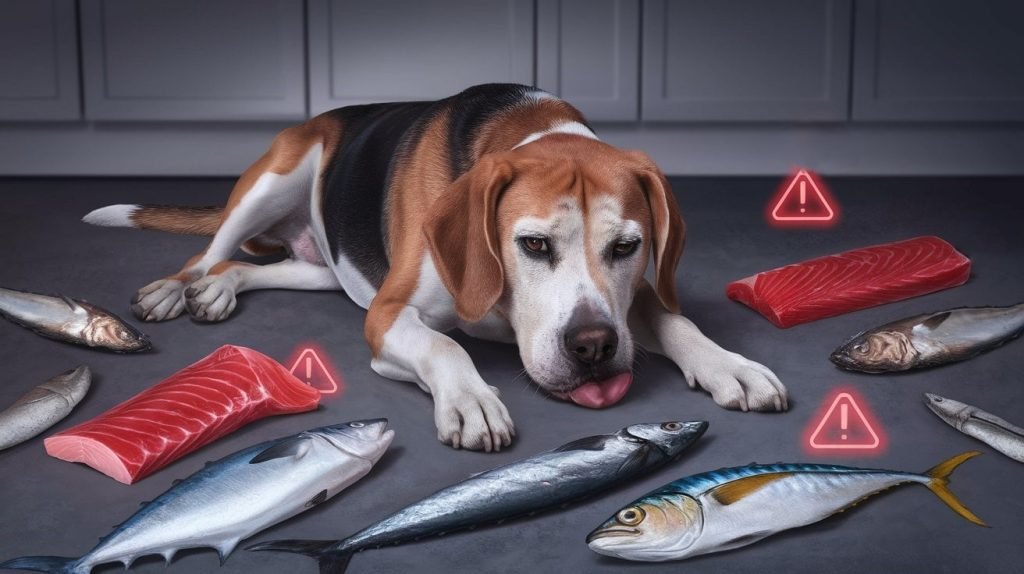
(309, 373)
(844, 410)
(803, 199)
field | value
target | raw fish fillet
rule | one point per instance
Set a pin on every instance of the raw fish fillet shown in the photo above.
(197, 405)
(853, 280)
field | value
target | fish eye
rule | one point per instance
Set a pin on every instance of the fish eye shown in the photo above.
(672, 426)
(356, 425)
(631, 516)
(937, 399)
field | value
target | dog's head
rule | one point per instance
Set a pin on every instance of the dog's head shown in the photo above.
(556, 236)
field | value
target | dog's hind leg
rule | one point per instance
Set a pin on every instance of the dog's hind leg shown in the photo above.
(213, 297)
(274, 188)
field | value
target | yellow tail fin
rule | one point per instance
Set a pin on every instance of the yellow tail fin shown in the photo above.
(939, 484)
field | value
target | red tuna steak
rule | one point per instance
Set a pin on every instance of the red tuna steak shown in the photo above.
(853, 280)
(193, 407)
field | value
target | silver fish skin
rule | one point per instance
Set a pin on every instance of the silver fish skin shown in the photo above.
(986, 427)
(236, 497)
(734, 507)
(931, 339)
(73, 321)
(557, 477)
(43, 406)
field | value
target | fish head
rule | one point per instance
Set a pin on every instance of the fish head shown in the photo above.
(875, 352)
(953, 412)
(671, 437)
(106, 330)
(367, 439)
(655, 528)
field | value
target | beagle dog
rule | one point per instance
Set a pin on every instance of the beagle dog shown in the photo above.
(496, 211)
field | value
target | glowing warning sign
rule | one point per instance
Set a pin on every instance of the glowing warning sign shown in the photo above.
(844, 424)
(803, 201)
(312, 367)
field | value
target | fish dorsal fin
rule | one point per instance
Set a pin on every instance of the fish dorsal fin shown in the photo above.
(72, 304)
(934, 321)
(596, 442)
(320, 497)
(293, 447)
(636, 460)
(739, 489)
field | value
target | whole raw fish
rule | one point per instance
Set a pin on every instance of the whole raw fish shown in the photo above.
(568, 473)
(70, 320)
(986, 427)
(734, 507)
(236, 497)
(930, 339)
(43, 406)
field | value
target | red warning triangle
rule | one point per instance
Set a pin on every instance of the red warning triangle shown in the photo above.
(311, 369)
(844, 426)
(803, 200)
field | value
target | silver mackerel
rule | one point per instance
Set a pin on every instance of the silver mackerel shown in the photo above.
(236, 497)
(70, 320)
(567, 474)
(43, 406)
(986, 427)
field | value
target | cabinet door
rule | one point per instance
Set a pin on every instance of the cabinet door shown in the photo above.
(398, 50)
(588, 53)
(193, 59)
(746, 60)
(38, 60)
(944, 60)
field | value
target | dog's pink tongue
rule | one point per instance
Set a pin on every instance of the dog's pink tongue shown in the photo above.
(601, 394)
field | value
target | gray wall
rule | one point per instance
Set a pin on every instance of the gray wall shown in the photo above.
(198, 87)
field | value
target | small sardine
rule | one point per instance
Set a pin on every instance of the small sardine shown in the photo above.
(567, 474)
(70, 320)
(43, 406)
(235, 497)
(986, 427)
(931, 339)
(733, 507)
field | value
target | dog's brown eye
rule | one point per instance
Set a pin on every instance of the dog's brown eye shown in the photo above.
(536, 244)
(624, 248)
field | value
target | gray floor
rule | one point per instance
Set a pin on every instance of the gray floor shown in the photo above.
(52, 507)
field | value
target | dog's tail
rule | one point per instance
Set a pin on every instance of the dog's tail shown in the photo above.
(174, 219)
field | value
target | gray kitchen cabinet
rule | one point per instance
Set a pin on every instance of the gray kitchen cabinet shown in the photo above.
(939, 60)
(39, 61)
(193, 59)
(398, 50)
(746, 60)
(588, 53)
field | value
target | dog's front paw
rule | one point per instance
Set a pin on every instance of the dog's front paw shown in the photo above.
(736, 382)
(473, 417)
(161, 300)
(210, 299)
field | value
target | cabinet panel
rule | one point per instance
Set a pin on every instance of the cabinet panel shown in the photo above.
(939, 60)
(588, 53)
(746, 60)
(38, 60)
(193, 59)
(399, 50)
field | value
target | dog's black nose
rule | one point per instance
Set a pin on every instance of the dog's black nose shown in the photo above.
(591, 344)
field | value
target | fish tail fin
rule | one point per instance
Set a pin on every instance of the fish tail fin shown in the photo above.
(331, 562)
(938, 483)
(50, 564)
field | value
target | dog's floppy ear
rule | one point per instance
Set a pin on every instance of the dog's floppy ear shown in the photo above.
(462, 232)
(668, 228)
